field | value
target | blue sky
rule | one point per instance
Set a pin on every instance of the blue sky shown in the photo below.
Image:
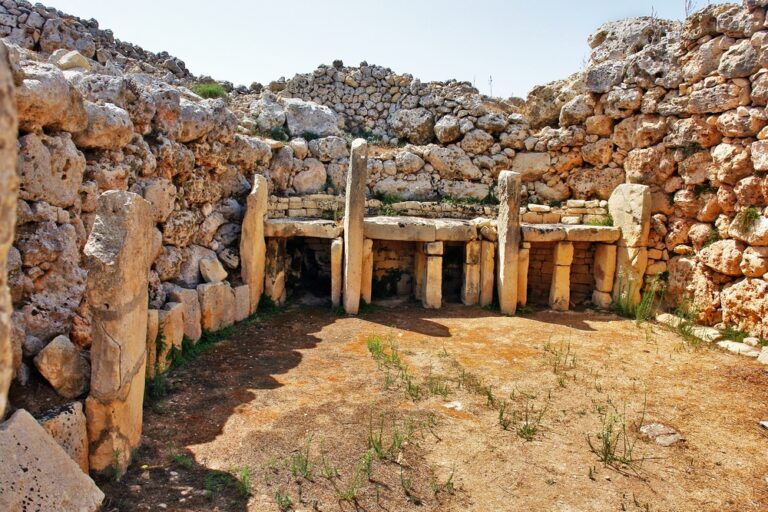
(518, 43)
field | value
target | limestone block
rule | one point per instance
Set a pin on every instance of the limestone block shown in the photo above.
(531, 166)
(419, 271)
(37, 474)
(408, 229)
(543, 232)
(487, 272)
(290, 227)
(117, 258)
(170, 334)
(8, 195)
(253, 248)
(192, 318)
(274, 280)
(560, 290)
(66, 425)
(563, 253)
(354, 208)
(604, 267)
(242, 302)
(432, 294)
(630, 207)
(337, 261)
(433, 248)
(217, 306)
(212, 270)
(523, 262)
(109, 127)
(153, 328)
(114, 427)
(470, 284)
(508, 227)
(366, 275)
(602, 300)
(64, 367)
(582, 233)
(454, 230)
(631, 263)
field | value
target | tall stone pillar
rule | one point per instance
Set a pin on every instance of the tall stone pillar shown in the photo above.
(337, 269)
(118, 258)
(487, 271)
(274, 280)
(630, 208)
(523, 262)
(605, 272)
(253, 249)
(366, 274)
(419, 268)
(432, 294)
(560, 289)
(470, 282)
(354, 213)
(8, 191)
(508, 227)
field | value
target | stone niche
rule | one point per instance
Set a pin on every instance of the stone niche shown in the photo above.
(393, 269)
(540, 269)
(308, 270)
(582, 273)
(453, 269)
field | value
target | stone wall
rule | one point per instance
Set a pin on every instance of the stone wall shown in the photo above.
(582, 273)
(540, 270)
(393, 266)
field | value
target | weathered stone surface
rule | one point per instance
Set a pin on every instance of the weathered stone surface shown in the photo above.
(242, 302)
(274, 273)
(327, 149)
(447, 129)
(46, 100)
(754, 233)
(408, 229)
(415, 125)
(109, 127)
(366, 275)
(560, 289)
(192, 316)
(418, 187)
(118, 261)
(50, 169)
(66, 425)
(531, 166)
(692, 284)
(452, 162)
(170, 334)
(588, 183)
(508, 227)
(307, 117)
(432, 294)
(217, 306)
(630, 208)
(37, 474)
(745, 306)
(153, 327)
(631, 263)
(476, 142)
(311, 179)
(212, 270)
(639, 131)
(354, 208)
(487, 271)
(252, 245)
(337, 271)
(723, 256)
(754, 261)
(605, 267)
(64, 367)
(586, 233)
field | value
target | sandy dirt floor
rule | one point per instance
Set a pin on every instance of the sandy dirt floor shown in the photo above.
(460, 409)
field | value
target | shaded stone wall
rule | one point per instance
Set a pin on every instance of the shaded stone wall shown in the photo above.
(393, 266)
(582, 272)
(540, 270)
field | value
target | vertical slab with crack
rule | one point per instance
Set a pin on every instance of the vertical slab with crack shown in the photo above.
(354, 212)
(508, 227)
(560, 288)
(487, 272)
(9, 187)
(118, 258)
(630, 208)
(337, 269)
(274, 278)
(432, 294)
(253, 249)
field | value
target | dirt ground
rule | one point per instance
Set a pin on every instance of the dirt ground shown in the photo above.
(460, 409)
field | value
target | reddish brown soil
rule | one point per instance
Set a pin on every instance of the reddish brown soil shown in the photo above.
(306, 378)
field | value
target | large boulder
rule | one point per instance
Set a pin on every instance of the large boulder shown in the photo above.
(311, 179)
(66, 424)
(452, 162)
(531, 166)
(109, 127)
(37, 474)
(50, 168)
(64, 367)
(268, 113)
(639, 131)
(46, 100)
(327, 149)
(447, 129)
(476, 142)
(745, 306)
(414, 187)
(723, 256)
(415, 124)
(590, 183)
(305, 117)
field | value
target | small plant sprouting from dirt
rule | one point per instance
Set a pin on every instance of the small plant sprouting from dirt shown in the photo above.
(746, 219)
(604, 220)
(283, 500)
(300, 463)
(614, 445)
(209, 90)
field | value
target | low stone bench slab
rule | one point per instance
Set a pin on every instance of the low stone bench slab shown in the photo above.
(571, 233)
(314, 228)
(418, 229)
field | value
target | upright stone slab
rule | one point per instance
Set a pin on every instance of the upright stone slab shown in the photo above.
(37, 474)
(253, 249)
(630, 208)
(242, 302)
(354, 213)
(8, 193)
(605, 267)
(508, 227)
(560, 289)
(366, 273)
(487, 272)
(274, 280)
(337, 269)
(66, 425)
(432, 294)
(523, 262)
(419, 269)
(170, 334)
(117, 257)
(153, 327)
(217, 305)
(193, 329)
(470, 280)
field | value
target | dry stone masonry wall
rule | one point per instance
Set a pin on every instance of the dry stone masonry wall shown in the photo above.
(651, 163)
